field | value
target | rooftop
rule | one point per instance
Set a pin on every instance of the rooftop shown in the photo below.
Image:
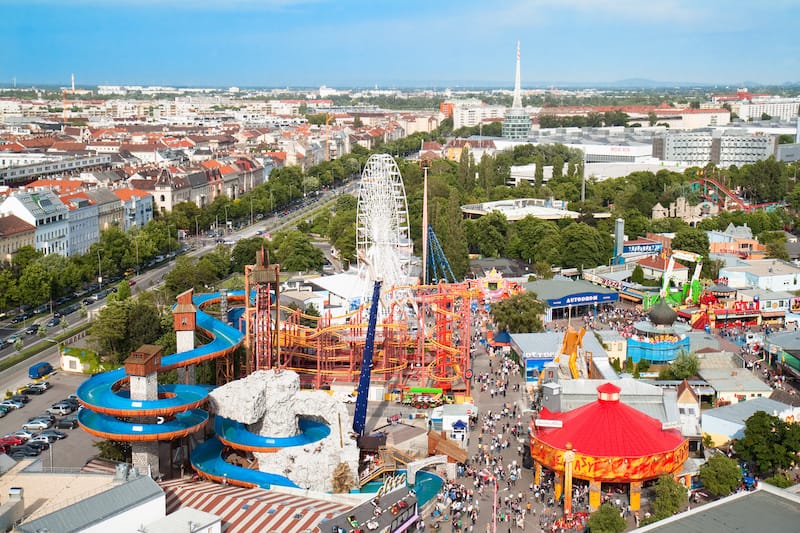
(765, 509)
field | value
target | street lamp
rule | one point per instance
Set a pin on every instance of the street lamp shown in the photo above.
(196, 226)
(494, 505)
(99, 270)
(226, 219)
(251, 210)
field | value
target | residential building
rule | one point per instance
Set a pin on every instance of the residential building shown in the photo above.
(137, 206)
(14, 234)
(721, 147)
(83, 223)
(728, 422)
(109, 207)
(47, 213)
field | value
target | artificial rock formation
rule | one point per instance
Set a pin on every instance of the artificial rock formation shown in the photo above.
(270, 402)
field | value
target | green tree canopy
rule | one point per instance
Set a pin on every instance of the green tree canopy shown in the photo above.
(769, 444)
(721, 475)
(521, 313)
(607, 519)
(684, 366)
(670, 497)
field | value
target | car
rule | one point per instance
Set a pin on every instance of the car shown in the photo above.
(21, 398)
(14, 337)
(17, 319)
(12, 404)
(53, 434)
(33, 329)
(53, 322)
(131, 282)
(38, 442)
(88, 301)
(61, 409)
(22, 434)
(33, 390)
(37, 424)
(66, 423)
(44, 416)
(12, 440)
(17, 452)
(44, 384)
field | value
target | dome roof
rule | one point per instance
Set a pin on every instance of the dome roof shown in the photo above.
(609, 428)
(662, 314)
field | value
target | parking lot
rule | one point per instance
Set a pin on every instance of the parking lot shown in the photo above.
(72, 451)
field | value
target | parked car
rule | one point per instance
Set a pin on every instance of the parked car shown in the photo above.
(21, 398)
(33, 390)
(12, 440)
(22, 434)
(12, 403)
(14, 337)
(37, 424)
(40, 384)
(20, 452)
(53, 322)
(52, 434)
(38, 442)
(60, 409)
(66, 423)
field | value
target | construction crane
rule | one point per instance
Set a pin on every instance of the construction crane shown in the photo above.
(360, 415)
(438, 266)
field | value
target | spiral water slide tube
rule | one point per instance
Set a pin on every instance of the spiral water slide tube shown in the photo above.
(110, 413)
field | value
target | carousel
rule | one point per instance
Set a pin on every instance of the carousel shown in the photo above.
(607, 442)
(660, 338)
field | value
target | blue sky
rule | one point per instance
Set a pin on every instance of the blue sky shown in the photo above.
(307, 43)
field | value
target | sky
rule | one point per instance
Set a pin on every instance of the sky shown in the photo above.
(399, 43)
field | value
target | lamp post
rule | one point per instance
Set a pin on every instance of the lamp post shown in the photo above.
(226, 219)
(493, 479)
(251, 210)
(196, 226)
(99, 270)
(137, 256)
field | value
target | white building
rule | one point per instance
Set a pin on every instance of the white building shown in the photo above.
(769, 274)
(84, 229)
(47, 213)
(775, 107)
(468, 113)
(722, 147)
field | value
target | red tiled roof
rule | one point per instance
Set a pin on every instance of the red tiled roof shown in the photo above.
(127, 194)
(11, 225)
(659, 263)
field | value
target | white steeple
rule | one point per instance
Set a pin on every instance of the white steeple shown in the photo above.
(517, 86)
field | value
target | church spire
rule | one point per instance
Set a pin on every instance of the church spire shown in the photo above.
(517, 85)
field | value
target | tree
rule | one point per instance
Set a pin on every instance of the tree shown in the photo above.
(779, 480)
(584, 246)
(637, 276)
(691, 240)
(720, 475)
(295, 252)
(769, 444)
(670, 497)
(521, 313)
(607, 519)
(684, 366)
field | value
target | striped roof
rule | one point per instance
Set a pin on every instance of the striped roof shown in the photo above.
(253, 509)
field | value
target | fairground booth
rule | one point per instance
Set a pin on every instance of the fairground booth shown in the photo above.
(568, 299)
(607, 445)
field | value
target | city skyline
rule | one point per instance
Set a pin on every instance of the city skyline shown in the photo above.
(307, 43)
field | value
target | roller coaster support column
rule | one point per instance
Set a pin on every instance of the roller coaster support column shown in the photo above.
(184, 316)
(262, 341)
(142, 368)
(360, 416)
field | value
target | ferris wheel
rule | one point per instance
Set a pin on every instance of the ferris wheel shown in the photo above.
(383, 241)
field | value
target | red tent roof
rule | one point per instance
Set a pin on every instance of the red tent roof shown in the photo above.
(608, 428)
